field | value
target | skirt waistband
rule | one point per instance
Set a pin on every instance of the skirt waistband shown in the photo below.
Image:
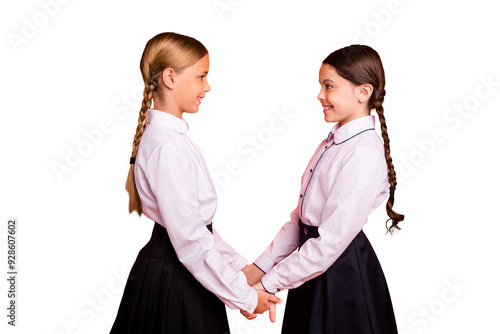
(160, 246)
(159, 228)
(307, 232)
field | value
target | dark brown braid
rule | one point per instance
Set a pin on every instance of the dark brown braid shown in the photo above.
(394, 217)
(360, 64)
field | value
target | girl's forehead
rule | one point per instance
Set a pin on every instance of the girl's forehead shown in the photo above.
(201, 65)
(204, 61)
(328, 71)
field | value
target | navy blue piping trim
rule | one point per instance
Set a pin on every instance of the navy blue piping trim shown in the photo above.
(310, 177)
(266, 289)
(354, 136)
(321, 156)
(259, 268)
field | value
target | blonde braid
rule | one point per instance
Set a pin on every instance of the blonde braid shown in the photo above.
(146, 105)
(134, 203)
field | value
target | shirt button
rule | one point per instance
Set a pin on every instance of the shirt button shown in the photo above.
(300, 195)
(278, 289)
(311, 170)
(326, 147)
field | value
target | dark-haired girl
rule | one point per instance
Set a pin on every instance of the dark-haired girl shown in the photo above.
(335, 281)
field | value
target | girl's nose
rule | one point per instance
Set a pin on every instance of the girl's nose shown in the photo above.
(320, 96)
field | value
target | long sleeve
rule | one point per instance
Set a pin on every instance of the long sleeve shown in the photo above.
(285, 242)
(350, 188)
(235, 260)
(174, 177)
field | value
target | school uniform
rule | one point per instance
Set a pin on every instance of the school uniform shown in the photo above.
(184, 275)
(335, 281)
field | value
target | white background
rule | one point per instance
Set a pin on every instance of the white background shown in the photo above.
(68, 67)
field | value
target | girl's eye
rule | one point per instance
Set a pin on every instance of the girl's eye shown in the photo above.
(328, 86)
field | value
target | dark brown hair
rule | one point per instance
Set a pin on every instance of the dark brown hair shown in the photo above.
(360, 64)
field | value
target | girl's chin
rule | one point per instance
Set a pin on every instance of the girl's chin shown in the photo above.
(329, 119)
(192, 111)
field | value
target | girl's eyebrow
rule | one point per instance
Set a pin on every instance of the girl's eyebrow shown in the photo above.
(324, 81)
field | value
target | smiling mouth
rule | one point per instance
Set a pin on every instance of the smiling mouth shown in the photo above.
(326, 108)
(199, 99)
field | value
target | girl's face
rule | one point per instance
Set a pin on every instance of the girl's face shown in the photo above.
(191, 85)
(339, 97)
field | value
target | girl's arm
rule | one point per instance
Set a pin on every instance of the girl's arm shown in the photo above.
(173, 179)
(285, 242)
(235, 260)
(359, 186)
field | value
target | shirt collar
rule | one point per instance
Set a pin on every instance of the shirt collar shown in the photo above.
(167, 120)
(352, 128)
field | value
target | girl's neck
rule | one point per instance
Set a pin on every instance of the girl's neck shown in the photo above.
(164, 106)
(359, 115)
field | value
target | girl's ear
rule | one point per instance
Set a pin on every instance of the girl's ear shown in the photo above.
(167, 77)
(365, 91)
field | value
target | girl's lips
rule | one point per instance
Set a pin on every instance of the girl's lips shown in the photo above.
(199, 99)
(326, 108)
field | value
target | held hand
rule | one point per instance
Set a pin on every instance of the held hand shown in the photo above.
(253, 274)
(248, 315)
(266, 302)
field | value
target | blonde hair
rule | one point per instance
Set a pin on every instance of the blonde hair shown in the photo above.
(165, 50)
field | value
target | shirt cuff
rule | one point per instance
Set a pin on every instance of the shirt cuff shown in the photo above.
(270, 283)
(239, 264)
(254, 299)
(264, 262)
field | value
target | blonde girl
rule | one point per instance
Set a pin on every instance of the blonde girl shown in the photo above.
(185, 273)
(335, 281)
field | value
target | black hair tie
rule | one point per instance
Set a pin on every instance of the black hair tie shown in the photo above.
(392, 190)
(132, 160)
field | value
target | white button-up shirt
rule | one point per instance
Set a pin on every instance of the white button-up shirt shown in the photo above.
(177, 192)
(346, 179)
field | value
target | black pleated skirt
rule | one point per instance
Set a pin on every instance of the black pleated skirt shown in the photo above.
(162, 296)
(351, 297)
